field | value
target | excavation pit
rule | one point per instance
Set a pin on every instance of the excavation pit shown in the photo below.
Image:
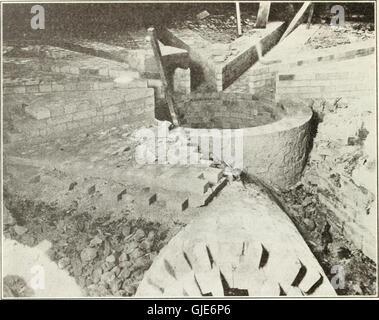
(271, 138)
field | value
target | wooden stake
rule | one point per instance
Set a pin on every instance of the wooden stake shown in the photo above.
(296, 19)
(238, 14)
(263, 13)
(166, 88)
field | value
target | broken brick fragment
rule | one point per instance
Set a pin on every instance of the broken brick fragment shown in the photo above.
(92, 190)
(119, 196)
(72, 185)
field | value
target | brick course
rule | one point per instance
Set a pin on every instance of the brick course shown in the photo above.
(64, 115)
(72, 86)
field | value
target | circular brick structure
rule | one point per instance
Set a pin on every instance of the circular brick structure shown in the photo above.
(242, 245)
(275, 135)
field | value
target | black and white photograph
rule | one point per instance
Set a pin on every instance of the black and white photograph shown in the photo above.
(189, 149)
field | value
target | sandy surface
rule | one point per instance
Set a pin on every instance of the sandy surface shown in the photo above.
(40, 273)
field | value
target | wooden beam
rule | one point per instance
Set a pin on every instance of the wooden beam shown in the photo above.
(296, 19)
(310, 15)
(263, 13)
(238, 14)
(166, 88)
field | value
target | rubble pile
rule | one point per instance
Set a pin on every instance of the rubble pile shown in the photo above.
(327, 36)
(331, 248)
(218, 28)
(15, 286)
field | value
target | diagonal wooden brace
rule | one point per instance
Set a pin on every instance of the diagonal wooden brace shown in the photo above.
(166, 88)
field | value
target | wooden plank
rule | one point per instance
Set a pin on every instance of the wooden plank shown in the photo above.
(167, 90)
(263, 13)
(238, 14)
(296, 19)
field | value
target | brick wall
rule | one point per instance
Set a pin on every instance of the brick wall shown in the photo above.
(59, 114)
(80, 85)
(327, 85)
(226, 111)
(263, 77)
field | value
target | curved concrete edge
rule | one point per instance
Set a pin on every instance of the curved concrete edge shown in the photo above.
(234, 239)
(276, 152)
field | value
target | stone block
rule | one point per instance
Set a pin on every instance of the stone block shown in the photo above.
(73, 125)
(104, 72)
(56, 110)
(105, 85)
(74, 70)
(45, 87)
(64, 69)
(84, 85)
(70, 86)
(110, 118)
(212, 175)
(38, 112)
(111, 109)
(83, 105)
(70, 108)
(86, 71)
(135, 94)
(175, 201)
(32, 88)
(84, 114)
(56, 87)
(84, 123)
(111, 100)
(99, 119)
(59, 120)
(146, 197)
